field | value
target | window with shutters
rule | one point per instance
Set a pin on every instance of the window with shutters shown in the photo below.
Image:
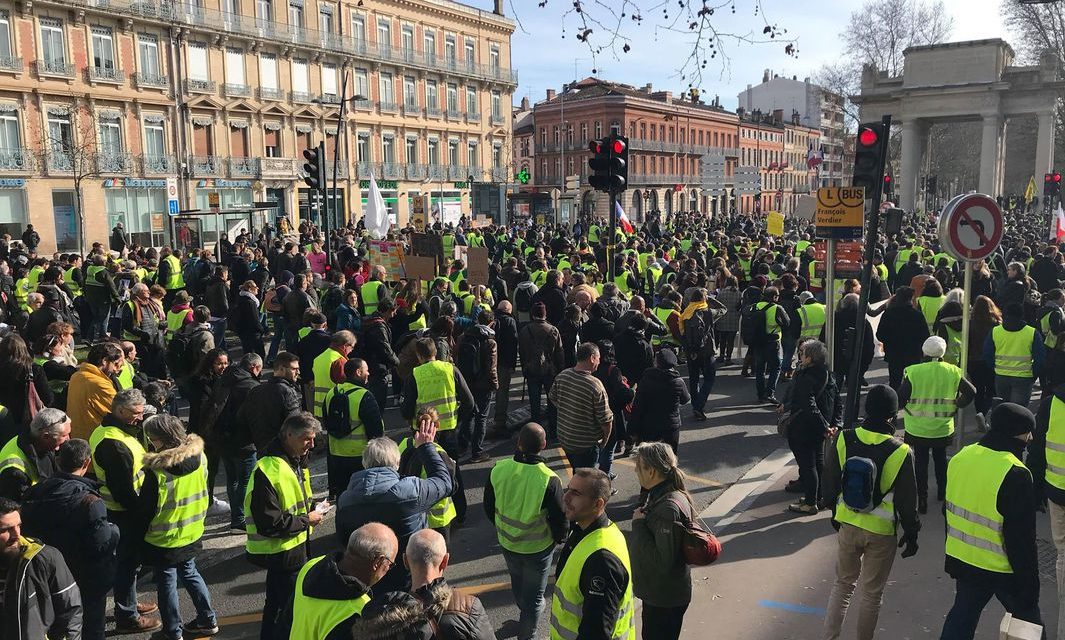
(10, 137)
(430, 95)
(388, 90)
(299, 76)
(362, 83)
(198, 61)
(410, 93)
(5, 35)
(411, 150)
(453, 153)
(103, 49)
(110, 135)
(362, 147)
(471, 101)
(148, 47)
(53, 42)
(388, 148)
(268, 71)
(154, 139)
(272, 143)
(238, 142)
(473, 159)
(432, 149)
(235, 67)
(329, 80)
(202, 140)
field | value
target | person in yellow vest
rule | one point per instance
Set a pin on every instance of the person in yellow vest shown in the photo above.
(1046, 459)
(118, 460)
(143, 325)
(930, 395)
(930, 301)
(364, 423)
(169, 275)
(867, 521)
(1017, 352)
(991, 527)
(595, 557)
(812, 316)
(767, 351)
(179, 315)
(175, 497)
(523, 498)
(443, 512)
(373, 291)
(30, 458)
(331, 590)
(281, 513)
(1052, 326)
(328, 367)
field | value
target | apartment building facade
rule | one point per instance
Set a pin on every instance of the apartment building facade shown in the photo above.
(117, 96)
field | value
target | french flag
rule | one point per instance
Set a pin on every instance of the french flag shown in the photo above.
(623, 220)
(1057, 225)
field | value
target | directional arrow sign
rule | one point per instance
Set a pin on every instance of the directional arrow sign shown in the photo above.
(970, 227)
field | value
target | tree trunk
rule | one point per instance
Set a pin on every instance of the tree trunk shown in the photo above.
(81, 219)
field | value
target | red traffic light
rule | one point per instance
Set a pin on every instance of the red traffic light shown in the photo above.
(1048, 177)
(867, 137)
(887, 179)
(595, 147)
(1057, 177)
(619, 147)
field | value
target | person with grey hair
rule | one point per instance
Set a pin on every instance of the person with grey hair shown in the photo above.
(144, 324)
(340, 581)
(378, 493)
(455, 615)
(174, 495)
(29, 458)
(118, 460)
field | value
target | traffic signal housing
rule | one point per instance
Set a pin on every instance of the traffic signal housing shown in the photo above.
(610, 163)
(888, 183)
(315, 167)
(870, 150)
(1054, 182)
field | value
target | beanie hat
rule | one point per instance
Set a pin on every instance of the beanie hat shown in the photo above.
(761, 282)
(1011, 419)
(934, 347)
(666, 359)
(881, 402)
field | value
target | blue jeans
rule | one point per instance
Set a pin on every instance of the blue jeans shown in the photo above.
(218, 328)
(279, 333)
(473, 427)
(166, 581)
(126, 565)
(706, 369)
(528, 581)
(766, 368)
(789, 345)
(970, 599)
(586, 459)
(101, 315)
(1013, 389)
(238, 472)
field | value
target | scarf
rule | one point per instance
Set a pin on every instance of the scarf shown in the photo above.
(690, 311)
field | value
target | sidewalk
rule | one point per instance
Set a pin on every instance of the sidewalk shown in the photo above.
(776, 572)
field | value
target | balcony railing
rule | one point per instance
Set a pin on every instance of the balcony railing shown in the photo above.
(276, 95)
(206, 166)
(158, 165)
(106, 74)
(660, 178)
(417, 171)
(243, 167)
(59, 68)
(433, 112)
(454, 114)
(329, 98)
(342, 169)
(232, 90)
(17, 161)
(151, 80)
(299, 97)
(437, 172)
(473, 116)
(283, 167)
(60, 162)
(392, 171)
(8, 63)
(200, 86)
(411, 109)
(456, 173)
(112, 163)
(387, 107)
(500, 174)
(497, 119)
(364, 169)
(365, 104)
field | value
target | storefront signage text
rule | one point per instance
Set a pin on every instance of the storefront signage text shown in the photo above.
(133, 183)
(224, 184)
(381, 184)
(12, 183)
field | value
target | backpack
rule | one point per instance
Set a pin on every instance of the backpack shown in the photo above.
(270, 301)
(178, 355)
(337, 420)
(752, 325)
(523, 298)
(858, 484)
(468, 358)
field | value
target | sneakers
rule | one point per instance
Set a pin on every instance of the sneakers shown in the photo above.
(479, 458)
(772, 399)
(143, 624)
(198, 629)
(218, 507)
(699, 415)
(803, 508)
(239, 526)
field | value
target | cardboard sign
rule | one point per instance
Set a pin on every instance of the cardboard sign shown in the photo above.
(477, 265)
(840, 212)
(418, 211)
(389, 255)
(774, 223)
(421, 267)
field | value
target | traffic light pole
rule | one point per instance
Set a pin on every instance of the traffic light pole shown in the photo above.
(872, 234)
(612, 236)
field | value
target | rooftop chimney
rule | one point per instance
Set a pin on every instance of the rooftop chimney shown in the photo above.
(665, 96)
(778, 115)
(525, 103)
(765, 76)
(498, 8)
(550, 94)
(646, 88)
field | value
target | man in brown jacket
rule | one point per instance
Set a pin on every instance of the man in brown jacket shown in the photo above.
(540, 345)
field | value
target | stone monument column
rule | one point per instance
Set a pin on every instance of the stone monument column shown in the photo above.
(989, 148)
(914, 132)
(1044, 145)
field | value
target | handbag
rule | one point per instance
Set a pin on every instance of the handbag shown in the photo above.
(784, 420)
(699, 545)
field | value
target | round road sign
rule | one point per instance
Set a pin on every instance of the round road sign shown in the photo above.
(970, 227)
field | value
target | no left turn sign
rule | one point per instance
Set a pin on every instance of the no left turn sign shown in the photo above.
(970, 227)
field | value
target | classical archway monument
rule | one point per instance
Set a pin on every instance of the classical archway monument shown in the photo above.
(968, 81)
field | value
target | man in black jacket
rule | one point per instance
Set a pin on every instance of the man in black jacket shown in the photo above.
(67, 512)
(552, 296)
(268, 405)
(234, 436)
(300, 298)
(377, 349)
(506, 329)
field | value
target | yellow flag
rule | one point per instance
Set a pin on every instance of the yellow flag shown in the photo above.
(1029, 192)
(775, 223)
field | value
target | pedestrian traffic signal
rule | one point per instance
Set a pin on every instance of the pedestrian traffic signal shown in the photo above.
(1055, 184)
(610, 163)
(869, 156)
(887, 186)
(315, 166)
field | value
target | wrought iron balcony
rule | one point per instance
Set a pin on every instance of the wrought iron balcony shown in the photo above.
(17, 161)
(364, 169)
(342, 170)
(473, 116)
(417, 171)
(232, 90)
(276, 95)
(243, 167)
(151, 80)
(387, 107)
(497, 119)
(60, 68)
(283, 167)
(411, 109)
(8, 63)
(329, 98)
(456, 173)
(206, 166)
(106, 74)
(299, 97)
(158, 165)
(437, 172)
(454, 114)
(111, 163)
(392, 171)
(60, 162)
(200, 86)
(433, 112)
(365, 104)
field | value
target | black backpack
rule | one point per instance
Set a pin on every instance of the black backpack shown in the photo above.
(338, 414)
(752, 325)
(468, 358)
(523, 299)
(181, 360)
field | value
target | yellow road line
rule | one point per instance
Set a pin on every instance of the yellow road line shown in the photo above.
(244, 618)
(565, 461)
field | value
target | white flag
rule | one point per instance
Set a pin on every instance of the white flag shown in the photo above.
(376, 217)
(1057, 225)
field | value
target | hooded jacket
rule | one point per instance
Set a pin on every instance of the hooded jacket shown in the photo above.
(324, 581)
(89, 397)
(656, 408)
(376, 345)
(265, 408)
(55, 611)
(554, 300)
(458, 616)
(181, 460)
(599, 326)
(634, 353)
(393, 616)
(220, 416)
(488, 380)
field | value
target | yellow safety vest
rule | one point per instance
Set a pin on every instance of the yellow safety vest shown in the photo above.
(13, 457)
(933, 397)
(104, 432)
(567, 605)
(881, 520)
(1050, 339)
(813, 319)
(436, 387)
(1055, 449)
(769, 309)
(175, 280)
(370, 299)
(175, 321)
(663, 316)
(443, 512)
(125, 377)
(323, 383)
(72, 284)
(181, 509)
(521, 521)
(90, 276)
(1013, 351)
(930, 307)
(315, 617)
(22, 293)
(974, 524)
(353, 444)
(294, 497)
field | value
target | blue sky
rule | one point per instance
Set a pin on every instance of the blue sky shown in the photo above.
(544, 59)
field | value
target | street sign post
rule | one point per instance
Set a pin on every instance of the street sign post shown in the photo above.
(172, 205)
(840, 212)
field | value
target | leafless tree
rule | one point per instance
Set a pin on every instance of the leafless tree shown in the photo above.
(614, 28)
(882, 30)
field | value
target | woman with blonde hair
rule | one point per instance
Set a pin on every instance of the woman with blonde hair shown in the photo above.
(660, 576)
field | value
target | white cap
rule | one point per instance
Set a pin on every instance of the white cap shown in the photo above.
(934, 347)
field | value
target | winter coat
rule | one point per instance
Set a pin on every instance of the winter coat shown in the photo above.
(597, 328)
(396, 615)
(488, 379)
(13, 481)
(903, 331)
(220, 413)
(325, 582)
(376, 347)
(89, 397)
(458, 616)
(348, 319)
(182, 460)
(506, 329)
(812, 408)
(310, 347)
(266, 407)
(619, 390)
(540, 345)
(570, 332)
(660, 577)
(1046, 274)
(846, 336)
(656, 408)
(554, 300)
(731, 299)
(217, 297)
(244, 317)
(295, 303)
(634, 353)
(55, 609)
(67, 512)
